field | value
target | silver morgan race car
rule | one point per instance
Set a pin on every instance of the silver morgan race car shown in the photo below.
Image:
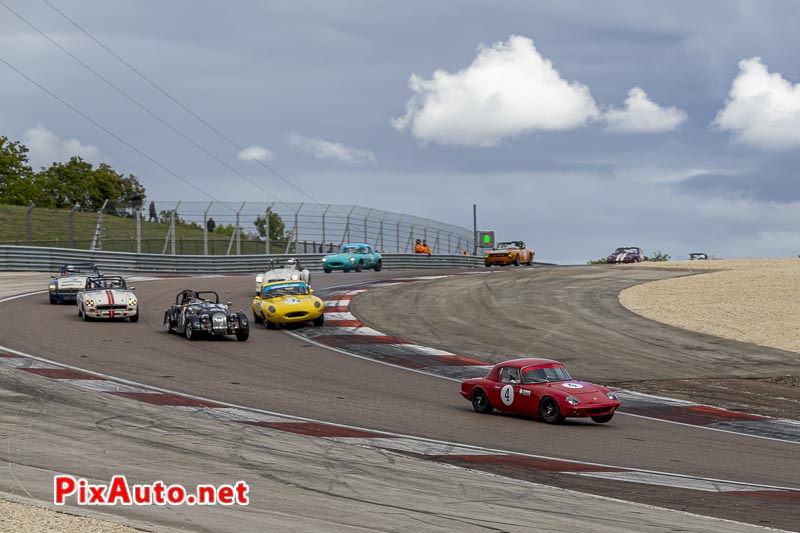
(291, 271)
(107, 297)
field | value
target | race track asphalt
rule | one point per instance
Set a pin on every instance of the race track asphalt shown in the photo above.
(573, 313)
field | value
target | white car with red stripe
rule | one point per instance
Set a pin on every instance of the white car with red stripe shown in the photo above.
(108, 297)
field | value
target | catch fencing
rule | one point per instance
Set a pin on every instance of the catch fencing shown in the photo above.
(42, 259)
(182, 228)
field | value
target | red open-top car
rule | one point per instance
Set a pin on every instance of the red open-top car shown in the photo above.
(539, 387)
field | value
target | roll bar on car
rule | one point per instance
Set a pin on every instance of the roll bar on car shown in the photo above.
(188, 294)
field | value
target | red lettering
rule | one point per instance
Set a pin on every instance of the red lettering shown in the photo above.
(206, 495)
(158, 492)
(225, 495)
(141, 494)
(119, 492)
(176, 494)
(241, 493)
(63, 486)
(96, 496)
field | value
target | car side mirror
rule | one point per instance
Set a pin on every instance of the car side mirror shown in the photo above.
(310, 291)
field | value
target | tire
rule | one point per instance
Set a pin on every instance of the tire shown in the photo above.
(319, 321)
(270, 325)
(257, 319)
(345, 270)
(189, 332)
(359, 266)
(327, 270)
(243, 334)
(378, 266)
(481, 403)
(167, 325)
(487, 265)
(516, 261)
(83, 314)
(135, 318)
(549, 411)
(53, 300)
(603, 419)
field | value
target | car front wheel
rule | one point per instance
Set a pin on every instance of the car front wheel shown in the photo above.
(359, 266)
(319, 321)
(480, 402)
(327, 270)
(549, 411)
(167, 325)
(378, 266)
(189, 332)
(135, 318)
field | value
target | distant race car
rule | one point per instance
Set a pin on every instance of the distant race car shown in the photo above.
(287, 302)
(71, 279)
(629, 254)
(199, 313)
(353, 257)
(107, 297)
(698, 256)
(291, 271)
(541, 388)
(509, 253)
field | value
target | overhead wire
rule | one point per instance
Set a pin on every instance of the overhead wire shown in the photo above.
(106, 130)
(179, 103)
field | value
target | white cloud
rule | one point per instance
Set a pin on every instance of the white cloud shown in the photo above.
(763, 109)
(322, 149)
(509, 89)
(45, 148)
(256, 153)
(642, 115)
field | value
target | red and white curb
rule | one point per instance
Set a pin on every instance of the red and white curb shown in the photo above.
(452, 453)
(344, 332)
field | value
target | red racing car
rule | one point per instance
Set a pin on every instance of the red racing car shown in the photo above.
(539, 387)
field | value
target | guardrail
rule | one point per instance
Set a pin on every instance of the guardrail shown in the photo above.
(38, 259)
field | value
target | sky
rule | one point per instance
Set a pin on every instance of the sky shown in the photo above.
(577, 126)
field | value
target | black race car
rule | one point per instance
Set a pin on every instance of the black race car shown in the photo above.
(197, 313)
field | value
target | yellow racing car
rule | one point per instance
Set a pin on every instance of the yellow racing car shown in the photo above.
(287, 302)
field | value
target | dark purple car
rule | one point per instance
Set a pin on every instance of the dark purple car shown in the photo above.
(629, 254)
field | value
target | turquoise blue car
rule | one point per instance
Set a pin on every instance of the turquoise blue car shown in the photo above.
(353, 257)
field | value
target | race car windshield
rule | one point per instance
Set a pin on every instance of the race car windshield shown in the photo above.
(506, 245)
(286, 289)
(105, 283)
(349, 250)
(541, 375)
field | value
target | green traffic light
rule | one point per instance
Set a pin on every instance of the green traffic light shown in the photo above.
(487, 239)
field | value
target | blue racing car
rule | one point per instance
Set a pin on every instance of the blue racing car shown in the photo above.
(353, 257)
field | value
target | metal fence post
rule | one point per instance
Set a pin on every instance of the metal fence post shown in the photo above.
(323, 226)
(380, 229)
(346, 234)
(28, 224)
(239, 230)
(366, 235)
(97, 241)
(297, 229)
(266, 229)
(71, 226)
(398, 233)
(137, 212)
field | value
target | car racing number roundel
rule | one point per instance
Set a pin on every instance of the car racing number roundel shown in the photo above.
(507, 394)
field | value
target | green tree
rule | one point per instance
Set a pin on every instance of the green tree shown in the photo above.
(277, 229)
(16, 183)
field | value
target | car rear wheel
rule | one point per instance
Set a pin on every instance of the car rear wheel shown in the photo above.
(481, 403)
(603, 419)
(549, 411)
